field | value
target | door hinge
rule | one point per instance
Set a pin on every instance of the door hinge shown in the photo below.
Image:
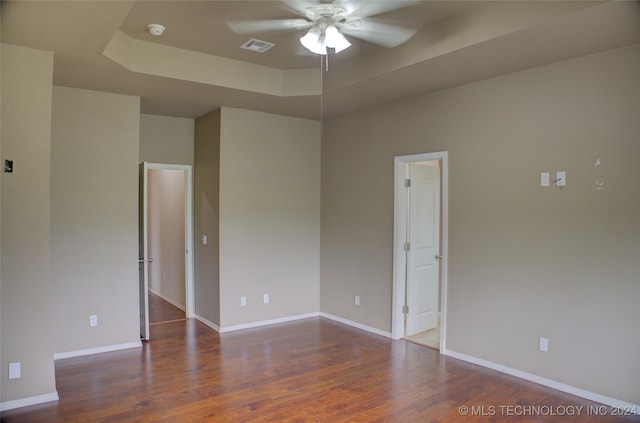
(407, 183)
(407, 246)
(405, 309)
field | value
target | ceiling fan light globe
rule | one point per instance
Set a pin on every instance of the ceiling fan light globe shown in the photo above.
(313, 42)
(335, 39)
(342, 44)
(331, 36)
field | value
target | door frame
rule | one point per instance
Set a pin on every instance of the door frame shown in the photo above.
(399, 238)
(188, 231)
(143, 252)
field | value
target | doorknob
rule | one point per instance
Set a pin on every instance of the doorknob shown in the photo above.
(438, 257)
(143, 260)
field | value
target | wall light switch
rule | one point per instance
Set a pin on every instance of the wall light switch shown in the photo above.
(205, 240)
(265, 298)
(544, 179)
(243, 301)
(357, 300)
(93, 320)
(561, 178)
(15, 370)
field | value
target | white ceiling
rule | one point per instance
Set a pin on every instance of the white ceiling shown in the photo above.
(197, 65)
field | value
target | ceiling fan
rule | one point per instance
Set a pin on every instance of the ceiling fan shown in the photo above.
(328, 23)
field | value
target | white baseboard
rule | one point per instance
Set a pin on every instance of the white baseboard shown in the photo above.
(169, 300)
(251, 325)
(207, 322)
(592, 396)
(356, 325)
(26, 402)
(268, 322)
(97, 350)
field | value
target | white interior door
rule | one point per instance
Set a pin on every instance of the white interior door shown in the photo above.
(423, 267)
(143, 252)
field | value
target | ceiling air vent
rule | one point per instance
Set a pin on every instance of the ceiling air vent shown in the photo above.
(257, 45)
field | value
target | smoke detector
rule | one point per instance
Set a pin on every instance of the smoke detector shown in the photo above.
(155, 29)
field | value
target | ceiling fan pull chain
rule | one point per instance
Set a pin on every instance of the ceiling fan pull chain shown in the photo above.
(321, 93)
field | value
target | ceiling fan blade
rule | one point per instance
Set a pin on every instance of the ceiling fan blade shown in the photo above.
(366, 8)
(267, 25)
(378, 32)
(298, 6)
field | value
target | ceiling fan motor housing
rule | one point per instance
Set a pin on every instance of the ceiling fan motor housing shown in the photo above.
(324, 15)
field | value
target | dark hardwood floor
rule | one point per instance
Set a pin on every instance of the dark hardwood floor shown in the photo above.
(162, 311)
(313, 370)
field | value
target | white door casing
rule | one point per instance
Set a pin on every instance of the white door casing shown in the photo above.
(399, 236)
(188, 231)
(423, 253)
(143, 242)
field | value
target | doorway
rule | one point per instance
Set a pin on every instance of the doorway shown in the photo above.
(420, 245)
(166, 244)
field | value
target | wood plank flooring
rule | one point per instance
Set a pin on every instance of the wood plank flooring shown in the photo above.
(162, 311)
(312, 370)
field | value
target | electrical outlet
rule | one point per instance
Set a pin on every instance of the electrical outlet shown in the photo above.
(357, 300)
(93, 320)
(243, 301)
(15, 370)
(265, 298)
(543, 344)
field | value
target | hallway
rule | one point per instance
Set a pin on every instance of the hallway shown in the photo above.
(161, 311)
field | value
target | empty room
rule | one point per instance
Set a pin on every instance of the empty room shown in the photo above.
(305, 210)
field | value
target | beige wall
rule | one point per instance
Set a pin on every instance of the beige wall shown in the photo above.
(27, 335)
(524, 261)
(269, 216)
(94, 218)
(167, 140)
(206, 187)
(166, 220)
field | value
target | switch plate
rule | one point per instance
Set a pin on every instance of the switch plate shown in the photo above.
(543, 344)
(561, 178)
(15, 370)
(265, 298)
(93, 320)
(544, 179)
(357, 300)
(243, 301)
(205, 240)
